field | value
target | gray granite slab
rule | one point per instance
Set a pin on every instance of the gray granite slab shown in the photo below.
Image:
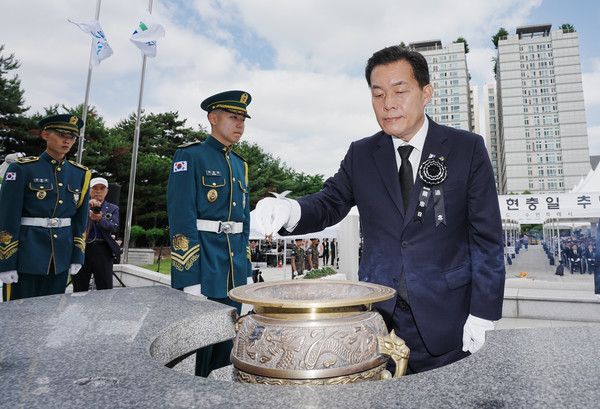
(94, 351)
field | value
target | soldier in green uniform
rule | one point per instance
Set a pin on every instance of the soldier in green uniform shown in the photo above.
(43, 215)
(297, 260)
(313, 254)
(209, 214)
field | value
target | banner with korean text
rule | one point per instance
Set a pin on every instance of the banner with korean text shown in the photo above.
(536, 208)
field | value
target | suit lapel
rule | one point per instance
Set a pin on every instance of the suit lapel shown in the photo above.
(385, 160)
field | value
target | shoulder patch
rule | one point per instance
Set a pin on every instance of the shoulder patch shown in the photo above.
(80, 166)
(185, 145)
(28, 159)
(238, 155)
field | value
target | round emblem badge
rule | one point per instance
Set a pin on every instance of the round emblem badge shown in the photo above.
(433, 171)
(212, 195)
(41, 194)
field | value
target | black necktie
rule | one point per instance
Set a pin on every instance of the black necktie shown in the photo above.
(406, 174)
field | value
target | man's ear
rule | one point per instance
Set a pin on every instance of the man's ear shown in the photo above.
(427, 94)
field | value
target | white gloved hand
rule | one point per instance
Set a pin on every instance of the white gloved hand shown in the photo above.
(9, 277)
(271, 214)
(474, 333)
(74, 269)
(194, 290)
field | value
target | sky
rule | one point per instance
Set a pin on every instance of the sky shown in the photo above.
(301, 60)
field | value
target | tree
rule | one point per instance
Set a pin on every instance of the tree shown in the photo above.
(567, 28)
(267, 174)
(501, 33)
(462, 40)
(108, 154)
(17, 132)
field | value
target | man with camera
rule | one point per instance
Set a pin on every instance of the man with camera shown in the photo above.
(101, 246)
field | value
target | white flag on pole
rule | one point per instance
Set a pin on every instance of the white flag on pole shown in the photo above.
(102, 50)
(146, 33)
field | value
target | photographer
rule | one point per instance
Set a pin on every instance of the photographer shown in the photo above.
(100, 247)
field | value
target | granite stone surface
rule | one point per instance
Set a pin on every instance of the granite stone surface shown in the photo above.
(108, 349)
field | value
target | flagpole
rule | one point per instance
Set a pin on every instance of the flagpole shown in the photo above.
(87, 94)
(134, 154)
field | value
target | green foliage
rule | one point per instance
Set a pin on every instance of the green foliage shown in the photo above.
(156, 236)
(532, 229)
(462, 40)
(318, 273)
(501, 33)
(567, 28)
(137, 232)
(17, 132)
(267, 174)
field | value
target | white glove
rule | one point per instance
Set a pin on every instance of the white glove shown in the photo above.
(9, 277)
(271, 214)
(194, 290)
(74, 269)
(474, 333)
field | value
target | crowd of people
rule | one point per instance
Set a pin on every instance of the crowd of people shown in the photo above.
(301, 254)
(579, 254)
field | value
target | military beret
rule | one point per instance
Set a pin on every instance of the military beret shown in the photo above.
(232, 101)
(65, 123)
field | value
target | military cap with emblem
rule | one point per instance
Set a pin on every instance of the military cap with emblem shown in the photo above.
(65, 123)
(231, 101)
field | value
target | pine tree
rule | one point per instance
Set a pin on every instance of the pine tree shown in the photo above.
(17, 132)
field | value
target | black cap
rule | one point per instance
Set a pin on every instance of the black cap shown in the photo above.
(232, 101)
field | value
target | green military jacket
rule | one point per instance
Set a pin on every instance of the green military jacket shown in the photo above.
(299, 256)
(43, 188)
(313, 253)
(208, 182)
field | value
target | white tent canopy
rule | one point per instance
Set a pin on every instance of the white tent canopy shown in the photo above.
(589, 183)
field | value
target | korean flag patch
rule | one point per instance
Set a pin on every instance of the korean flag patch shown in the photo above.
(180, 166)
(11, 176)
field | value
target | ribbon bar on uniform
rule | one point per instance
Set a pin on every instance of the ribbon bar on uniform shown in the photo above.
(219, 227)
(47, 222)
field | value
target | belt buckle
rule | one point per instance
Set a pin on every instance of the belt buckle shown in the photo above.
(53, 222)
(226, 227)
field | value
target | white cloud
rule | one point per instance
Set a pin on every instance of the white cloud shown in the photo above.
(594, 140)
(591, 83)
(309, 96)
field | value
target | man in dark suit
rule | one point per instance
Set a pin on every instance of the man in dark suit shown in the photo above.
(438, 242)
(101, 247)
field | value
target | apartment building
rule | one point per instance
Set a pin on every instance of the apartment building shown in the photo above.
(542, 143)
(451, 102)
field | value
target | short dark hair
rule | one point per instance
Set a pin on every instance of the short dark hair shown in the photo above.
(395, 53)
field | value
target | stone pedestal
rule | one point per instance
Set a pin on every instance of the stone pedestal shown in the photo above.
(114, 348)
(140, 257)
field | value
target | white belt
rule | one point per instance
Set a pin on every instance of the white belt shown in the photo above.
(47, 222)
(219, 227)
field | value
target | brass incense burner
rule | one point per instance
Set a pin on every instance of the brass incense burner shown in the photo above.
(314, 332)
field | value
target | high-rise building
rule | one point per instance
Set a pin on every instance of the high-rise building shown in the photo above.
(491, 126)
(450, 104)
(474, 107)
(543, 145)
